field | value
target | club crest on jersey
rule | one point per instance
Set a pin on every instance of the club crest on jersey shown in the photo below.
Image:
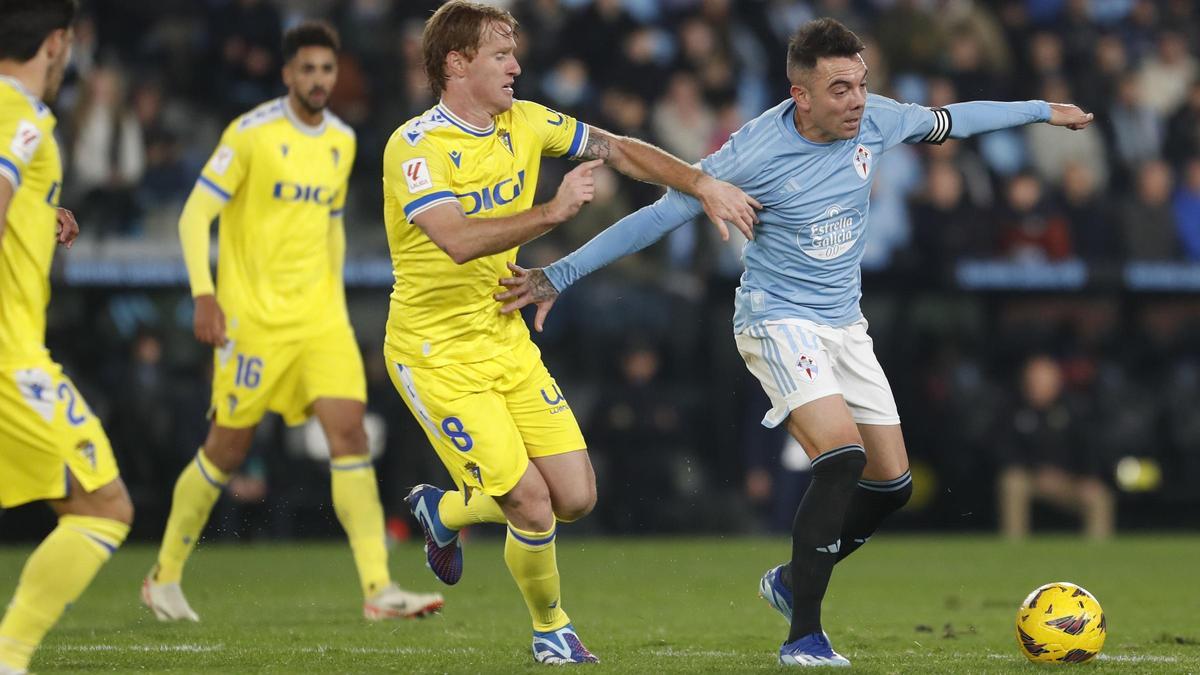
(862, 161)
(416, 172)
(807, 367)
(506, 140)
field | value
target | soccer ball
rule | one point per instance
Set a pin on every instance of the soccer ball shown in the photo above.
(1060, 623)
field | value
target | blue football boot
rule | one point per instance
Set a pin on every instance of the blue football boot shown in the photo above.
(443, 548)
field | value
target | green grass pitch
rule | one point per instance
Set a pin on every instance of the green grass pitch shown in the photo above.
(902, 605)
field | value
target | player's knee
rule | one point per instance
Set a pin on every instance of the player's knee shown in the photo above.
(529, 508)
(844, 464)
(899, 497)
(575, 507)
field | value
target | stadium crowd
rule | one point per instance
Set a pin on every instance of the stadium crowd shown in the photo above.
(644, 349)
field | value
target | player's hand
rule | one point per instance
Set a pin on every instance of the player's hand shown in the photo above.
(725, 203)
(578, 187)
(67, 228)
(527, 287)
(209, 321)
(1069, 116)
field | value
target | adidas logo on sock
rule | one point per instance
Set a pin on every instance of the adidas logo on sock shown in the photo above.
(832, 548)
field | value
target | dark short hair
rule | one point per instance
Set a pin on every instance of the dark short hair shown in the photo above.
(456, 26)
(25, 25)
(311, 33)
(820, 38)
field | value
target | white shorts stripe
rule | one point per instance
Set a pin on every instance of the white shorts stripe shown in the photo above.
(414, 399)
(768, 356)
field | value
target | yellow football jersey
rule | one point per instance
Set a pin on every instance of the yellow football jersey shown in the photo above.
(29, 160)
(278, 266)
(443, 313)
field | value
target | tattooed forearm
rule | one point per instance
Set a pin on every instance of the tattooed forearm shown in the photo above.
(540, 288)
(598, 146)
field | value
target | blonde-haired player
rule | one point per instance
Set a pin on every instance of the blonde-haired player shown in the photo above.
(52, 448)
(278, 320)
(458, 200)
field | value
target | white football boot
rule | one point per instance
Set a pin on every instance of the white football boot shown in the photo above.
(166, 600)
(394, 602)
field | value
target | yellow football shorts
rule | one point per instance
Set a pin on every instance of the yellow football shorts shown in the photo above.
(486, 419)
(252, 375)
(46, 430)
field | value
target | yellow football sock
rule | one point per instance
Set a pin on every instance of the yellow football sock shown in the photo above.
(457, 514)
(195, 493)
(55, 575)
(531, 559)
(356, 502)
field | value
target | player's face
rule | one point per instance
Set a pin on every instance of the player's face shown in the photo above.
(310, 77)
(60, 45)
(834, 95)
(491, 74)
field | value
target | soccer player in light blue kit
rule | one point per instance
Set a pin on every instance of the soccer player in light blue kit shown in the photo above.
(810, 161)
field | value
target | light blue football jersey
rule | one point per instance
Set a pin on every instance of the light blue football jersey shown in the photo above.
(804, 260)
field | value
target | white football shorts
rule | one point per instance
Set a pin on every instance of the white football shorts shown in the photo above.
(799, 361)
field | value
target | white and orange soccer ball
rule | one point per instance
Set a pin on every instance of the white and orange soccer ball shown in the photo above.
(1060, 623)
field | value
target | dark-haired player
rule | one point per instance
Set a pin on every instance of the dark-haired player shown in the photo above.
(278, 321)
(52, 448)
(810, 161)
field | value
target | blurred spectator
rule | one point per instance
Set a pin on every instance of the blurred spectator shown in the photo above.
(246, 36)
(639, 429)
(912, 40)
(946, 227)
(1029, 228)
(1136, 129)
(682, 122)
(1186, 205)
(109, 154)
(1045, 458)
(1145, 219)
(1183, 129)
(1051, 148)
(1088, 215)
(1167, 75)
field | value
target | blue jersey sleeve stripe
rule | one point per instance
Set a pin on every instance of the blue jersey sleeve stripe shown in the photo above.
(579, 141)
(336, 213)
(10, 171)
(214, 187)
(417, 205)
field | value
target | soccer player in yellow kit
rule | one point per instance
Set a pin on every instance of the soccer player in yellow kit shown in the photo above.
(282, 336)
(458, 200)
(52, 448)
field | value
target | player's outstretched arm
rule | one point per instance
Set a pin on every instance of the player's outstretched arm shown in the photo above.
(722, 202)
(528, 287)
(980, 117)
(465, 239)
(630, 234)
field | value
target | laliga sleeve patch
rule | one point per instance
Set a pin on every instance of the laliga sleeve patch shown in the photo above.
(25, 141)
(221, 160)
(416, 172)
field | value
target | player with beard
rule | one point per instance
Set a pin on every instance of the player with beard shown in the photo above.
(52, 448)
(277, 321)
(810, 161)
